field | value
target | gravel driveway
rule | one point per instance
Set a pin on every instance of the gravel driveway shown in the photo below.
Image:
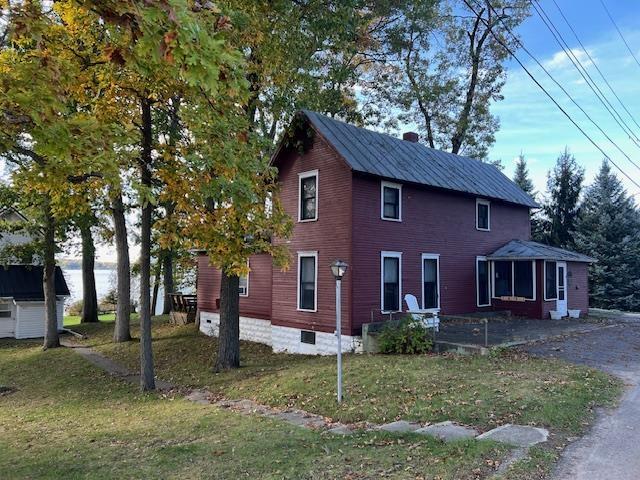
(611, 450)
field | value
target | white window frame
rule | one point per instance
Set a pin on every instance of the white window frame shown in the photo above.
(246, 294)
(489, 275)
(513, 279)
(315, 279)
(481, 201)
(302, 176)
(398, 187)
(436, 257)
(544, 283)
(383, 255)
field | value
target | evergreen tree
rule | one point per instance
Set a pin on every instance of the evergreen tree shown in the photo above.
(521, 176)
(564, 185)
(608, 229)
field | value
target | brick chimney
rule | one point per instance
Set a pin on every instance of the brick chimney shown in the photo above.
(410, 137)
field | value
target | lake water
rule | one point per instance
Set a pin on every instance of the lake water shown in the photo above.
(105, 281)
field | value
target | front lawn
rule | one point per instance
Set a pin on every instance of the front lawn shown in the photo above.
(67, 419)
(473, 390)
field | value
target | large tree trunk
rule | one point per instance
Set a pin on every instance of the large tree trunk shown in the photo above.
(51, 339)
(156, 286)
(147, 380)
(89, 296)
(229, 335)
(122, 331)
(167, 269)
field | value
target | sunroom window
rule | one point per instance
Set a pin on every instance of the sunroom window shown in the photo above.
(514, 278)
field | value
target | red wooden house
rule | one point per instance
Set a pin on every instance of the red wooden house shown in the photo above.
(451, 230)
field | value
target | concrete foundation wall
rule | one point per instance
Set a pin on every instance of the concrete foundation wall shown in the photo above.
(281, 339)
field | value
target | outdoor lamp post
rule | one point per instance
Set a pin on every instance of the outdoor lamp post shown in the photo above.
(339, 268)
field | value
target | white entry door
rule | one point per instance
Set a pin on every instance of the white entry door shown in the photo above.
(561, 303)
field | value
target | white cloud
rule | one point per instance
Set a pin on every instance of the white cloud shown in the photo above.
(560, 60)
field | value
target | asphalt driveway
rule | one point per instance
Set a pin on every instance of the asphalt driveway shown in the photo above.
(611, 450)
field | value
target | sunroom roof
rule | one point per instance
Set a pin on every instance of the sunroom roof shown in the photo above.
(528, 250)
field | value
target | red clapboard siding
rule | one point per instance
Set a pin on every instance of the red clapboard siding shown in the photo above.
(330, 236)
(578, 286)
(256, 305)
(432, 222)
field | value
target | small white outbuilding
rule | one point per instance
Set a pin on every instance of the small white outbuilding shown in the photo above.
(22, 301)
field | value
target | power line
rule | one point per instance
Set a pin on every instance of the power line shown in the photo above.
(515, 57)
(533, 57)
(619, 32)
(593, 62)
(584, 73)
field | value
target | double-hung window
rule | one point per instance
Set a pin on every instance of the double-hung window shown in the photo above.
(514, 278)
(430, 280)
(244, 285)
(483, 282)
(308, 196)
(391, 281)
(391, 201)
(483, 215)
(308, 281)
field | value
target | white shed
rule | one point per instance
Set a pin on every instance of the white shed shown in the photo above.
(22, 301)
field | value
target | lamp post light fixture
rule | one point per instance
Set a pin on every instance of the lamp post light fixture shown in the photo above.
(339, 268)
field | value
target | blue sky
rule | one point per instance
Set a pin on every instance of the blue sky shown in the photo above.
(531, 123)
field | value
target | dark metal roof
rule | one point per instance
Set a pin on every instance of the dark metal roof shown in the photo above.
(389, 157)
(528, 250)
(24, 282)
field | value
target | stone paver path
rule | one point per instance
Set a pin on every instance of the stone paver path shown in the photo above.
(446, 431)
(518, 435)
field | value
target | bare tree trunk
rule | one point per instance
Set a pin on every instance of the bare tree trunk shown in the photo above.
(122, 331)
(229, 335)
(167, 269)
(89, 296)
(51, 339)
(156, 286)
(147, 380)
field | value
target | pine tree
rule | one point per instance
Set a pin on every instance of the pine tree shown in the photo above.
(564, 185)
(521, 176)
(608, 229)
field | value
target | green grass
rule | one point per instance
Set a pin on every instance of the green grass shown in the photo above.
(67, 419)
(74, 320)
(480, 391)
(473, 390)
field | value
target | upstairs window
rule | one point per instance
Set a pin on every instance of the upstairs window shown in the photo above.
(391, 195)
(391, 281)
(483, 215)
(307, 281)
(308, 196)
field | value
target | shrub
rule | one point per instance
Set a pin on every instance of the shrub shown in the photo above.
(75, 308)
(109, 301)
(406, 336)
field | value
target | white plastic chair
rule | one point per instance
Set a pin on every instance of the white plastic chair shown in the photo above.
(428, 316)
